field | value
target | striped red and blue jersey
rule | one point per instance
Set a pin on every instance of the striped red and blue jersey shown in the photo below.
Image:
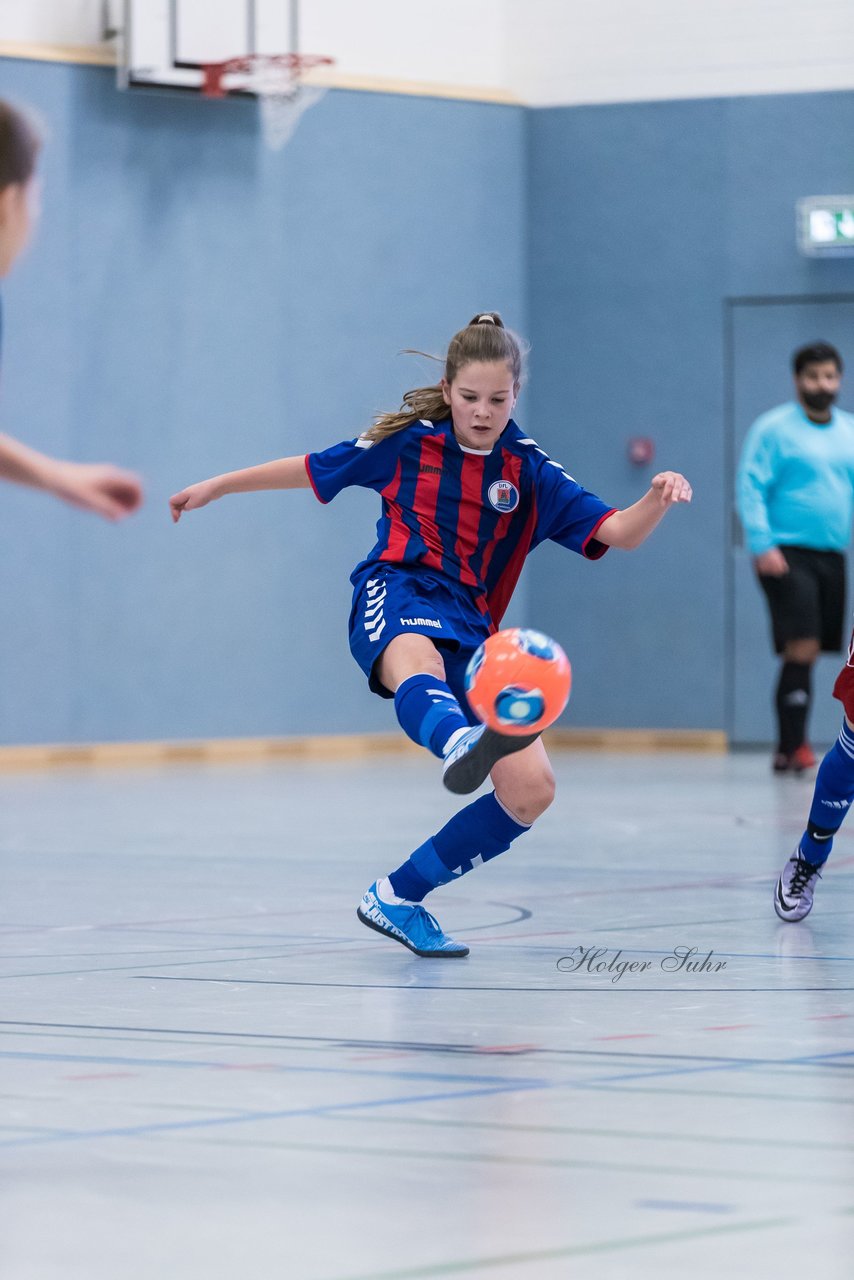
(471, 515)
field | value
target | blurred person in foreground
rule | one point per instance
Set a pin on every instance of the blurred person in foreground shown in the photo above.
(99, 487)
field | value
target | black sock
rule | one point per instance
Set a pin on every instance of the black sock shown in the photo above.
(794, 691)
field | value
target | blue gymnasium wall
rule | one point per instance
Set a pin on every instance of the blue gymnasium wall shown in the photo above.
(193, 304)
(643, 219)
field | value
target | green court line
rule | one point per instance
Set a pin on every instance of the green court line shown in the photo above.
(601, 1133)
(570, 1251)
(539, 1162)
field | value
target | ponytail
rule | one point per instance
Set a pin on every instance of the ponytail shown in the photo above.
(485, 340)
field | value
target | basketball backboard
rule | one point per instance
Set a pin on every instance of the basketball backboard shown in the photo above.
(165, 43)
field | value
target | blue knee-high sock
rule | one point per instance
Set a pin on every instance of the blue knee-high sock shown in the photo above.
(476, 834)
(428, 712)
(832, 797)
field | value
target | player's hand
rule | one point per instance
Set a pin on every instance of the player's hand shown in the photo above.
(97, 486)
(772, 563)
(671, 487)
(193, 497)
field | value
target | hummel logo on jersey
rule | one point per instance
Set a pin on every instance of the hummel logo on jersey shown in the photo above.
(836, 804)
(421, 622)
(503, 495)
(433, 471)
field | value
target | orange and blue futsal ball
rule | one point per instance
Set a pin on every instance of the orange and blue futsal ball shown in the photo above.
(518, 681)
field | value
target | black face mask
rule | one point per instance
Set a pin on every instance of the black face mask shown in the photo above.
(819, 401)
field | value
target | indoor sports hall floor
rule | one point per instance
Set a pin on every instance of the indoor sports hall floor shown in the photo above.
(211, 1069)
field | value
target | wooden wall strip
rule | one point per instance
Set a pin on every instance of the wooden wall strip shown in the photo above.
(327, 748)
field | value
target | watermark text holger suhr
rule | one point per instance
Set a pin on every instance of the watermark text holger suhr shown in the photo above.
(602, 962)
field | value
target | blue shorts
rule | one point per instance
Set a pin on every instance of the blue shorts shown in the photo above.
(390, 601)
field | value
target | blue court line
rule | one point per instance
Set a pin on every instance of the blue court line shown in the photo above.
(686, 1206)
(104, 1060)
(175, 1126)
(736, 1065)
(331, 1108)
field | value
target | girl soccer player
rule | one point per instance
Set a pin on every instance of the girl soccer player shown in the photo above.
(97, 487)
(466, 495)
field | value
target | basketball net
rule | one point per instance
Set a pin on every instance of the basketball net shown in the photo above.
(275, 79)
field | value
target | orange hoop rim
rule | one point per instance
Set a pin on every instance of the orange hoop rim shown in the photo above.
(214, 72)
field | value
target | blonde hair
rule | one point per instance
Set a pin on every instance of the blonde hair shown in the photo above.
(484, 339)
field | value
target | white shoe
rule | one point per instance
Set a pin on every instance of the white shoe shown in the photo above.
(794, 892)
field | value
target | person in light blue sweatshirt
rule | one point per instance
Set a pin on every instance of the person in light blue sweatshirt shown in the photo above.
(795, 490)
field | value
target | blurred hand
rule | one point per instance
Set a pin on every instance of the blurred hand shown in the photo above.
(97, 486)
(193, 497)
(772, 563)
(671, 487)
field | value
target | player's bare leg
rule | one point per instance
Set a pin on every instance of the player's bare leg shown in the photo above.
(525, 783)
(406, 656)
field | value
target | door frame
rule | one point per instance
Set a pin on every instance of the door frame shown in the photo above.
(732, 528)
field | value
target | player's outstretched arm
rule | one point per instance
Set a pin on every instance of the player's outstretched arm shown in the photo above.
(95, 486)
(627, 529)
(283, 473)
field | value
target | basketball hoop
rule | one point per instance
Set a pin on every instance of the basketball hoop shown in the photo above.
(275, 79)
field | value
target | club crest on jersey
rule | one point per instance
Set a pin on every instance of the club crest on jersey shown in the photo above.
(503, 495)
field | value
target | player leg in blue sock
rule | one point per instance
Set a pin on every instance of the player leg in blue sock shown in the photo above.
(477, 834)
(429, 713)
(832, 798)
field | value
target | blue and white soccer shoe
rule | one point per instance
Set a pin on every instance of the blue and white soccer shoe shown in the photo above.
(409, 923)
(470, 760)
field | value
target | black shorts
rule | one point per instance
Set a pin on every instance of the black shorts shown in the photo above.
(808, 602)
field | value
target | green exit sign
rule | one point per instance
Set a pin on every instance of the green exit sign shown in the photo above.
(826, 226)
